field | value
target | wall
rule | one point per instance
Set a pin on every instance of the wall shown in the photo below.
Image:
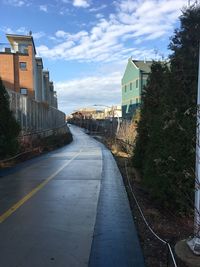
(45, 88)
(38, 92)
(12, 76)
(7, 69)
(130, 95)
(26, 77)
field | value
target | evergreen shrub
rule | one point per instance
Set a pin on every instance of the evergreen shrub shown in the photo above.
(9, 127)
(165, 144)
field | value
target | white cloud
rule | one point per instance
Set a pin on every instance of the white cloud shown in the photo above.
(95, 9)
(108, 40)
(20, 30)
(99, 16)
(102, 89)
(81, 3)
(23, 31)
(127, 5)
(6, 30)
(66, 35)
(60, 34)
(38, 35)
(43, 8)
(16, 3)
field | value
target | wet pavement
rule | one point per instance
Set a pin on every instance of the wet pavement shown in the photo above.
(67, 208)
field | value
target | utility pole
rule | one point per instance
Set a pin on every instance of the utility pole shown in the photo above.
(194, 243)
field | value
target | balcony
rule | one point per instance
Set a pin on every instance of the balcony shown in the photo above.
(8, 49)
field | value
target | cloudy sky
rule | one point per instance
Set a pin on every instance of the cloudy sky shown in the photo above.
(85, 44)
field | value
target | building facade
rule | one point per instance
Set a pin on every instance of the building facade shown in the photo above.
(21, 71)
(32, 96)
(109, 113)
(133, 81)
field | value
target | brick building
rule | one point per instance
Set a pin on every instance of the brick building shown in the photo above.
(21, 71)
(32, 96)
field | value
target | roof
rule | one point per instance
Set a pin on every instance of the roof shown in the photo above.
(144, 66)
(16, 37)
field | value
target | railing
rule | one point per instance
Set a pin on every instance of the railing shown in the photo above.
(6, 48)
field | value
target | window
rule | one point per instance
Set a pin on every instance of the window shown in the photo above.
(136, 84)
(23, 91)
(23, 48)
(22, 65)
(130, 86)
(125, 88)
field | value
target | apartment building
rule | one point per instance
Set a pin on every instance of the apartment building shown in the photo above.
(92, 113)
(21, 71)
(133, 81)
(113, 112)
(32, 96)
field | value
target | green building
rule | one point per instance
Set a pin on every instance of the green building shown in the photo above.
(133, 81)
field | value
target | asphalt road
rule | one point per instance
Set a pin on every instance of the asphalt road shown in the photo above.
(67, 208)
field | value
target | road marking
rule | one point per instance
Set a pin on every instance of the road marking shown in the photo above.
(17, 205)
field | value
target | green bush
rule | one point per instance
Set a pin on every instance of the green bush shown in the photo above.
(9, 128)
(165, 145)
(56, 141)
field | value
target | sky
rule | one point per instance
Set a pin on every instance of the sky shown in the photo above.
(85, 44)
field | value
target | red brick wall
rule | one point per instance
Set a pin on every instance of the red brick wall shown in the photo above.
(13, 77)
(7, 70)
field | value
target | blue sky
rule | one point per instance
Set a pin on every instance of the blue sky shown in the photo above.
(85, 44)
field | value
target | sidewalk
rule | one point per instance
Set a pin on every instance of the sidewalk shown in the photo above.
(115, 242)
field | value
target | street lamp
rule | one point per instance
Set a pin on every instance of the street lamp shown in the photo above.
(113, 113)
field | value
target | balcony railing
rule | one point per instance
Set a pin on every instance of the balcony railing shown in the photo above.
(8, 49)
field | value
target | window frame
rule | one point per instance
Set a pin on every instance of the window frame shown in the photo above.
(23, 48)
(21, 65)
(136, 83)
(23, 89)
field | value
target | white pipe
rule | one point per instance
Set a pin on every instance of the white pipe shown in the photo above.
(194, 243)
